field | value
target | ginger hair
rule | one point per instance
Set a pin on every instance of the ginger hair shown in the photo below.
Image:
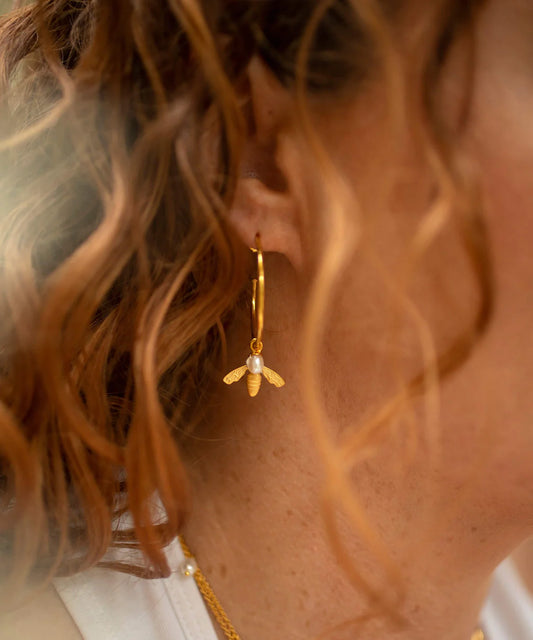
(118, 273)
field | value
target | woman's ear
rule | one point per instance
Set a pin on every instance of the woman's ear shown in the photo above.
(265, 200)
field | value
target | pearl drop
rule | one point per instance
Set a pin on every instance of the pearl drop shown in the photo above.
(189, 567)
(255, 364)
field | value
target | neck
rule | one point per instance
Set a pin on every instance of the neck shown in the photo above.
(258, 534)
(257, 525)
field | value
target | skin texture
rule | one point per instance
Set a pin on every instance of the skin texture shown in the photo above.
(256, 527)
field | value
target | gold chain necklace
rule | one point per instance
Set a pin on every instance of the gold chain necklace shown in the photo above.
(190, 568)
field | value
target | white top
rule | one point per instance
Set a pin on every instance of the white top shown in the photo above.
(508, 611)
(108, 605)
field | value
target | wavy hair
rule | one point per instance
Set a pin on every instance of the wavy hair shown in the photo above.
(118, 273)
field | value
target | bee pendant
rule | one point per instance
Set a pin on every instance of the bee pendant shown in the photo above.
(255, 366)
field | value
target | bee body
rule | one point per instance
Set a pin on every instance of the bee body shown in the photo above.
(253, 382)
(255, 367)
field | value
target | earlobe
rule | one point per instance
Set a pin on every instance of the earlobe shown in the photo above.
(259, 208)
(264, 200)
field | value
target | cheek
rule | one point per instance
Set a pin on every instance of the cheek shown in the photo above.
(501, 140)
(502, 144)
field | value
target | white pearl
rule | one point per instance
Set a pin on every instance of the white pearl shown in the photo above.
(255, 364)
(189, 567)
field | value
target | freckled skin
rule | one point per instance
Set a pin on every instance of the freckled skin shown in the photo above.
(446, 521)
(257, 525)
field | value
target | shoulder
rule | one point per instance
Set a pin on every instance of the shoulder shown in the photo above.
(44, 615)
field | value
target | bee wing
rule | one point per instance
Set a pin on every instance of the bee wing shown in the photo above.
(235, 375)
(273, 377)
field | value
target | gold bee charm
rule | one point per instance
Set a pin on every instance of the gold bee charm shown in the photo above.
(255, 366)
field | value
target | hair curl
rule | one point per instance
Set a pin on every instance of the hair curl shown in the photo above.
(118, 273)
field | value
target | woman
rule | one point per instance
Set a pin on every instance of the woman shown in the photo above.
(376, 156)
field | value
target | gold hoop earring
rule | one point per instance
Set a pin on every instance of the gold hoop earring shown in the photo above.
(255, 365)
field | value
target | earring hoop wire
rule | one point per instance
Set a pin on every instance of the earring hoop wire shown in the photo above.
(258, 300)
(255, 369)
